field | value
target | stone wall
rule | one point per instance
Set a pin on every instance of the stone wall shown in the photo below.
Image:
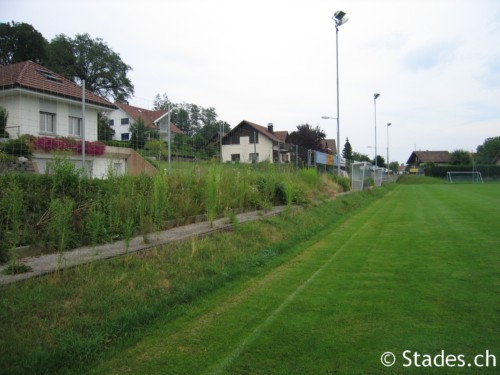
(26, 166)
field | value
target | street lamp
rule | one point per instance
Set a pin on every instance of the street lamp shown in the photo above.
(339, 18)
(388, 124)
(375, 96)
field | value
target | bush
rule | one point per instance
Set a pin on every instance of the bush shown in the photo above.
(18, 147)
(343, 182)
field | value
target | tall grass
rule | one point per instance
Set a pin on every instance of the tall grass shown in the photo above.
(212, 191)
(13, 201)
(58, 210)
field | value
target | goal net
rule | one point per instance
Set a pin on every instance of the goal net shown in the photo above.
(378, 176)
(360, 173)
(472, 177)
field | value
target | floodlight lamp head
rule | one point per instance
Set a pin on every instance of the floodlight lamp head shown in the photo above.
(339, 18)
(389, 124)
(376, 95)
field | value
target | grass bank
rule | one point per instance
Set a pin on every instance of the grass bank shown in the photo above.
(68, 320)
(65, 210)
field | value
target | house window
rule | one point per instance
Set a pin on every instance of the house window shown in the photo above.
(125, 121)
(111, 122)
(75, 126)
(235, 157)
(47, 122)
(125, 136)
(254, 138)
(254, 158)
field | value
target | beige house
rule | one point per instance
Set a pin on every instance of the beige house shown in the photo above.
(249, 142)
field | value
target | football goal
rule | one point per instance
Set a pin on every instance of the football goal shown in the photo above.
(378, 176)
(472, 177)
(360, 173)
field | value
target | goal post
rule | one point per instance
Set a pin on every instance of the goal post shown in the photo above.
(471, 177)
(360, 172)
(378, 176)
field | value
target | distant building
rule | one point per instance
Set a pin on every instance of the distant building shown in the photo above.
(421, 157)
(125, 115)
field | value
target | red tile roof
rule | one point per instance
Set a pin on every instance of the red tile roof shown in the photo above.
(281, 135)
(31, 76)
(260, 129)
(147, 115)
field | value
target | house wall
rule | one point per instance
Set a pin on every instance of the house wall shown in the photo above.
(264, 148)
(120, 129)
(24, 114)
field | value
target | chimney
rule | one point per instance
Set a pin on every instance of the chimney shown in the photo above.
(270, 127)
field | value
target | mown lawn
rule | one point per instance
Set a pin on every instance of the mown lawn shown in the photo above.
(416, 272)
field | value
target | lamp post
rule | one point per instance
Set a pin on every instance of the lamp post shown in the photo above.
(388, 124)
(339, 18)
(375, 96)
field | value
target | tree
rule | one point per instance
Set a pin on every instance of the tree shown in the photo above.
(488, 150)
(20, 42)
(104, 131)
(60, 57)
(347, 151)
(4, 115)
(139, 134)
(308, 137)
(460, 157)
(161, 102)
(104, 72)
(394, 166)
(380, 162)
(360, 157)
(193, 119)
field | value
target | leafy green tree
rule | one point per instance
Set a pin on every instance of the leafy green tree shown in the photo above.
(161, 102)
(4, 116)
(347, 151)
(139, 134)
(360, 157)
(193, 119)
(460, 157)
(19, 42)
(380, 161)
(308, 137)
(156, 148)
(60, 57)
(488, 150)
(394, 166)
(83, 58)
(104, 131)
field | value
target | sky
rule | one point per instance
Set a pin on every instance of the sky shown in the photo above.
(435, 63)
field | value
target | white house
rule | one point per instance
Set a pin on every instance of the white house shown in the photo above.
(125, 115)
(249, 142)
(48, 107)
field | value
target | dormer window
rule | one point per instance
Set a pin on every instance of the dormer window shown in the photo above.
(49, 76)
